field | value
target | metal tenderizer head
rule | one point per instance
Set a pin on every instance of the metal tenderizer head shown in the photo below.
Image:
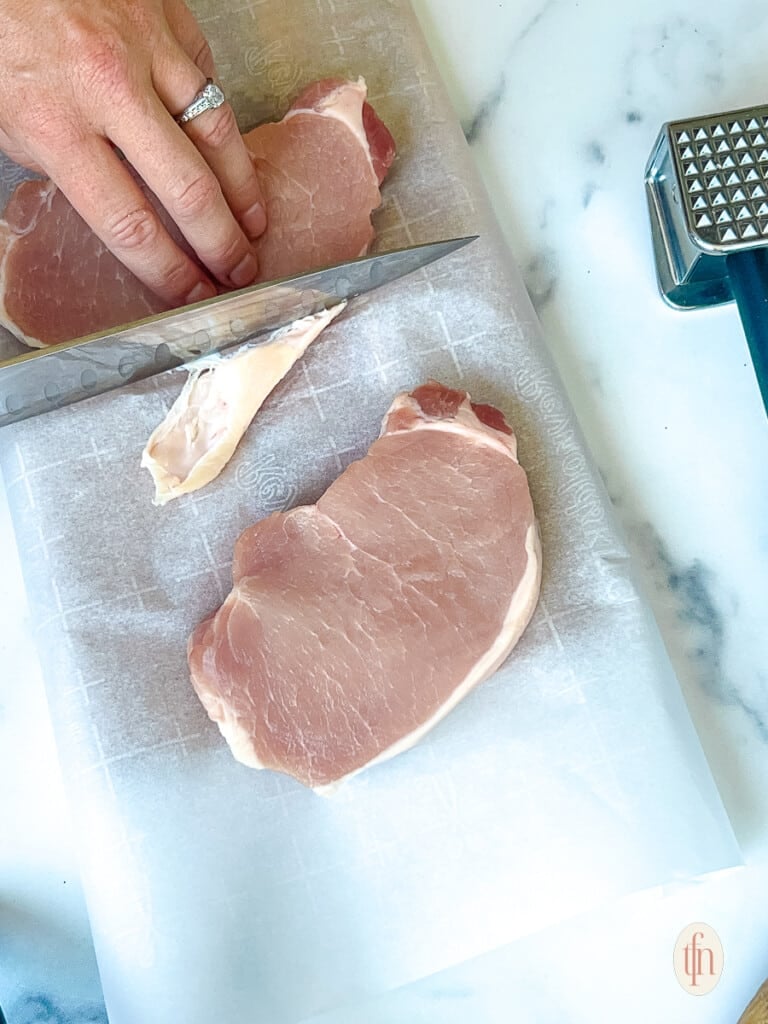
(707, 188)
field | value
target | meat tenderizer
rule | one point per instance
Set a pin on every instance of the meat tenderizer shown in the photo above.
(707, 188)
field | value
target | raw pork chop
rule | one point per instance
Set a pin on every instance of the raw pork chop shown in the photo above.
(204, 425)
(320, 169)
(315, 219)
(57, 279)
(354, 625)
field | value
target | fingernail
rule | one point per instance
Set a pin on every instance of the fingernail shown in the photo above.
(255, 220)
(245, 271)
(202, 290)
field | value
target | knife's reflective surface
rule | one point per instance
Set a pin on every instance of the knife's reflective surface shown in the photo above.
(44, 379)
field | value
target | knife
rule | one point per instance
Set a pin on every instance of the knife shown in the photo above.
(59, 375)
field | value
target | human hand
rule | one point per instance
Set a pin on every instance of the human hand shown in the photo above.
(80, 77)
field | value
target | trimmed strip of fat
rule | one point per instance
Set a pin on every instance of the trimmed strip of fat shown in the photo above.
(204, 426)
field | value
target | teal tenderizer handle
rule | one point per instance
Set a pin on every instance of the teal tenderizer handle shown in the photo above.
(748, 275)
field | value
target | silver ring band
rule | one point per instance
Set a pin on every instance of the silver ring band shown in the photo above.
(209, 98)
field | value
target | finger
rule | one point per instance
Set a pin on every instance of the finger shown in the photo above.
(187, 187)
(217, 137)
(178, 77)
(188, 34)
(108, 198)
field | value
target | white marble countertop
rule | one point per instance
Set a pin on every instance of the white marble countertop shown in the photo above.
(561, 100)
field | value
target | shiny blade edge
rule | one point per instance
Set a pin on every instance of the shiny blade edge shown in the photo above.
(38, 381)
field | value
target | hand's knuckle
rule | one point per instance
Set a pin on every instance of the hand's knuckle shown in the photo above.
(105, 67)
(194, 196)
(227, 252)
(51, 126)
(177, 277)
(216, 127)
(132, 230)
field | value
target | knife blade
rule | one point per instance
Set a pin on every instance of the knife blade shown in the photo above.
(45, 379)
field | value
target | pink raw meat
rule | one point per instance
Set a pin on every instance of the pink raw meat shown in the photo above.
(354, 625)
(320, 167)
(315, 216)
(57, 280)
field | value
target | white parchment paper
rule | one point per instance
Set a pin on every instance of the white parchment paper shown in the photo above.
(573, 776)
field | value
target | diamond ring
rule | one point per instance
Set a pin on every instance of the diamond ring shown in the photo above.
(209, 98)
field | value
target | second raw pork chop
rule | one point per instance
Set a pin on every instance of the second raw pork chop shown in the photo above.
(356, 624)
(320, 168)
